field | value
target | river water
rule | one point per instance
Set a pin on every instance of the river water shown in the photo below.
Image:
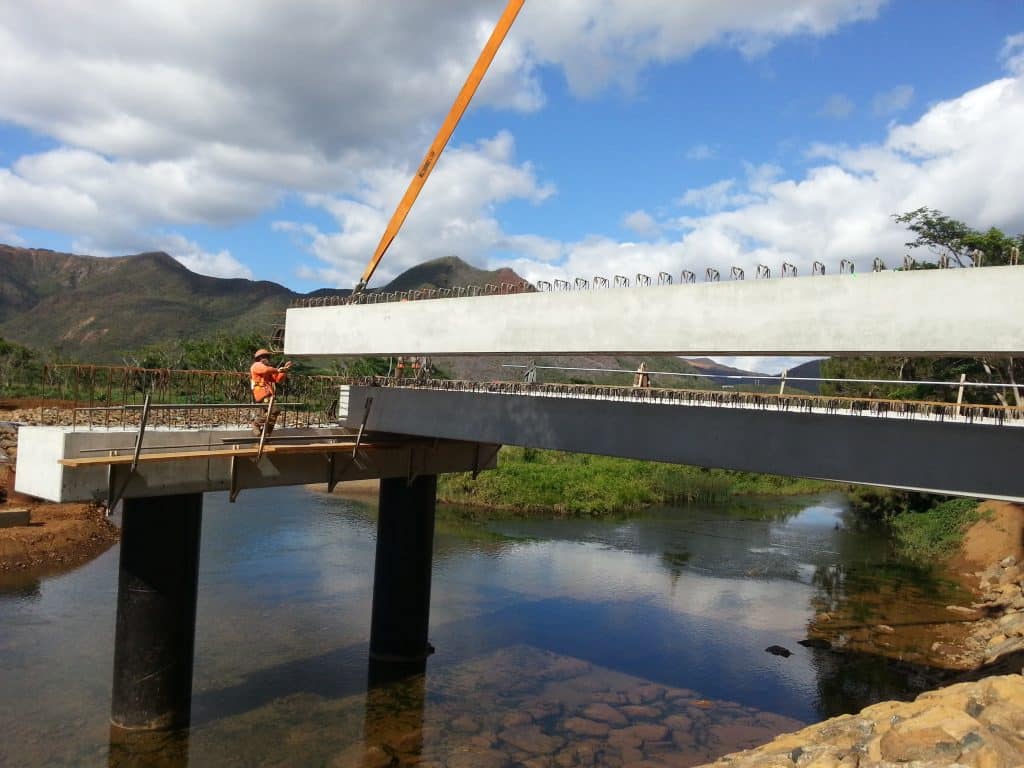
(566, 642)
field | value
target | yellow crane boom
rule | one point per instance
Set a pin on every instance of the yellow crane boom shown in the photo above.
(441, 140)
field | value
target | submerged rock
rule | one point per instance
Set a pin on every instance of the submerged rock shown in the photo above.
(778, 650)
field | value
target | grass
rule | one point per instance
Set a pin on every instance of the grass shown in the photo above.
(935, 533)
(532, 481)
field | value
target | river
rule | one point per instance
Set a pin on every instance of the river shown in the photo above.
(567, 642)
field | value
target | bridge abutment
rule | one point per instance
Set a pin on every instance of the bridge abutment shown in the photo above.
(157, 587)
(401, 582)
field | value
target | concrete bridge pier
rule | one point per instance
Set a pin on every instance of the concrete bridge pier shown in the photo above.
(401, 582)
(156, 613)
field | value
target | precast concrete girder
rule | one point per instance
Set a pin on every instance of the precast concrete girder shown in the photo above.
(970, 312)
(915, 454)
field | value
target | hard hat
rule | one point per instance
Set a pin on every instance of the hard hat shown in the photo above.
(261, 353)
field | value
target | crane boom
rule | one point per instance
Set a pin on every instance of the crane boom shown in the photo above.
(441, 140)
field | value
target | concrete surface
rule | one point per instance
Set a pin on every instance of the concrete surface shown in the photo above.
(926, 312)
(942, 457)
(42, 476)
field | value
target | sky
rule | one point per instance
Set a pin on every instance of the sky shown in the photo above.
(273, 140)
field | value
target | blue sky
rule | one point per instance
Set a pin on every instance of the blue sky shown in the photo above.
(611, 136)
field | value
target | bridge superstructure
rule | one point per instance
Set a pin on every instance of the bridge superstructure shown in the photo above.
(407, 435)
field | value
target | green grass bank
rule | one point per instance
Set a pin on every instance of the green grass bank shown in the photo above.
(578, 485)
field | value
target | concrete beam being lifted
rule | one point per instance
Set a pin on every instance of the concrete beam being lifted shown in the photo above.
(971, 312)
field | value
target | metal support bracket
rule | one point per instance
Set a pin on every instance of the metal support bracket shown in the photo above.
(266, 424)
(362, 426)
(235, 489)
(413, 474)
(114, 496)
(332, 478)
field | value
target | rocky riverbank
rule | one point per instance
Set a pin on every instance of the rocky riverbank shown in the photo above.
(975, 723)
(969, 725)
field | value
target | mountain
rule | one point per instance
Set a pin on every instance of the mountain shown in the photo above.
(808, 370)
(94, 308)
(449, 272)
(709, 367)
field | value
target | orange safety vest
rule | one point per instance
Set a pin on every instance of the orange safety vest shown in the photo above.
(263, 379)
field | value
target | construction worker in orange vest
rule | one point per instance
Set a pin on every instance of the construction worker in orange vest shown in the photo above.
(263, 380)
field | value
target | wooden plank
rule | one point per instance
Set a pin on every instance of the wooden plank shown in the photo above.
(149, 458)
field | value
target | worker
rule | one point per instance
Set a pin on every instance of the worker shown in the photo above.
(642, 378)
(263, 379)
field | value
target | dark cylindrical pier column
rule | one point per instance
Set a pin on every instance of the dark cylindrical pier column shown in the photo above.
(156, 612)
(401, 581)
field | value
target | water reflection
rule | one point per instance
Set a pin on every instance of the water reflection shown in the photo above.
(595, 641)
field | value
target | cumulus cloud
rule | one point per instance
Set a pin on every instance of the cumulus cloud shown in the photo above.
(174, 113)
(965, 156)
(892, 101)
(641, 222)
(1013, 53)
(456, 218)
(611, 41)
(838, 106)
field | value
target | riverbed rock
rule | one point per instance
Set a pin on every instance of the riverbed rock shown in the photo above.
(531, 739)
(584, 727)
(605, 713)
(970, 725)
(640, 712)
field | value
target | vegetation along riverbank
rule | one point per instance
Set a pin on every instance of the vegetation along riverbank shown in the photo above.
(530, 481)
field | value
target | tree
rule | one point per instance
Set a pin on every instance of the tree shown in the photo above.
(951, 239)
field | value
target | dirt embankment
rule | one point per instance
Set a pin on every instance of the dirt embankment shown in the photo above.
(59, 536)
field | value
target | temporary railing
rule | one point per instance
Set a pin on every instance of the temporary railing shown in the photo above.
(780, 379)
(787, 402)
(90, 396)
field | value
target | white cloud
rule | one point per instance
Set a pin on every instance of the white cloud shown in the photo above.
(173, 113)
(838, 106)
(1012, 54)
(612, 41)
(189, 253)
(892, 101)
(456, 218)
(965, 156)
(728, 193)
(641, 222)
(701, 152)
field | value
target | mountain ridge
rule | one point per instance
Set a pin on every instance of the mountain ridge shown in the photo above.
(96, 308)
